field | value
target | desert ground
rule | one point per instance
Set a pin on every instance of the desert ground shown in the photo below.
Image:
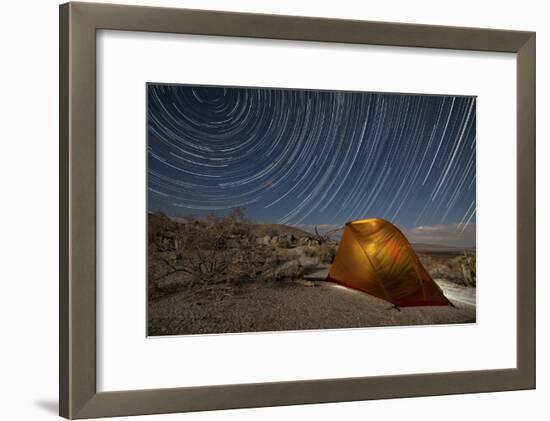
(253, 278)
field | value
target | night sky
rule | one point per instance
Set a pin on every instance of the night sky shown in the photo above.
(315, 157)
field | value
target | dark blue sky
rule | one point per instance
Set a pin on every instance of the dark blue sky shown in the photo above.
(312, 157)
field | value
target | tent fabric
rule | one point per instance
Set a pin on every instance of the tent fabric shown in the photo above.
(375, 257)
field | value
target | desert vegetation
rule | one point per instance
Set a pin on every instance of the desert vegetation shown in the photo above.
(457, 267)
(215, 255)
(224, 274)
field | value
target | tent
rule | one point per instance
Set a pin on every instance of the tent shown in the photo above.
(375, 257)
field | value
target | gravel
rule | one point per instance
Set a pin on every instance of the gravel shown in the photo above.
(299, 305)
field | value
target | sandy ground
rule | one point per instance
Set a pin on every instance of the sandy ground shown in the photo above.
(307, 304)
(458, 294)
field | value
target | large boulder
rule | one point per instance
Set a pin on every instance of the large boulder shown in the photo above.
(283, 242)
(265, 240)
(284, 272)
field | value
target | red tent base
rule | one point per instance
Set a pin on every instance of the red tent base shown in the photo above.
(408, 303)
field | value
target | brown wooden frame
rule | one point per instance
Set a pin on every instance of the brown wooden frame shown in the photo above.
(77, 121)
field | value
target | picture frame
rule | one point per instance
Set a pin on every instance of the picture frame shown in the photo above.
(78, 393)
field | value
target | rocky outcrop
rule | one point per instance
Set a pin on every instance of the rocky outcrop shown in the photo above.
(213, 252)
(286, 271)
(290, 241)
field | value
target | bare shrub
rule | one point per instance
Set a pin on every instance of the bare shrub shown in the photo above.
(457, 268)
(327, 236)
(208, 253)
(310, 251)
(468, 265)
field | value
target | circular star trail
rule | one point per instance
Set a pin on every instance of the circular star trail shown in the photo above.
(311, 157)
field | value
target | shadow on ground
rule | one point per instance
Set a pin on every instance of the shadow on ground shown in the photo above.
(50, 406)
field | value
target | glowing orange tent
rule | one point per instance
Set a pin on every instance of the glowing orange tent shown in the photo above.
(375, 257)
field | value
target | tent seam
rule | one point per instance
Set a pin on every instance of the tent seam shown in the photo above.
(372, 265)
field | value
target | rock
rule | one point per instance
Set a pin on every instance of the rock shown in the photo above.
(308, 283)
(286, 272)
(286, 241)
(283, 243)
(306, 241)
(273, 261)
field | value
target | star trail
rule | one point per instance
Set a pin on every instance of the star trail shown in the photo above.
(312, 157)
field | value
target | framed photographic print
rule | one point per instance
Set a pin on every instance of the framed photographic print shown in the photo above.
(239, 189)
(255, 205)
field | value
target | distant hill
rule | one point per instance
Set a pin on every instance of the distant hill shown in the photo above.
(435, 248)
(259, 230)
(272, 230)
